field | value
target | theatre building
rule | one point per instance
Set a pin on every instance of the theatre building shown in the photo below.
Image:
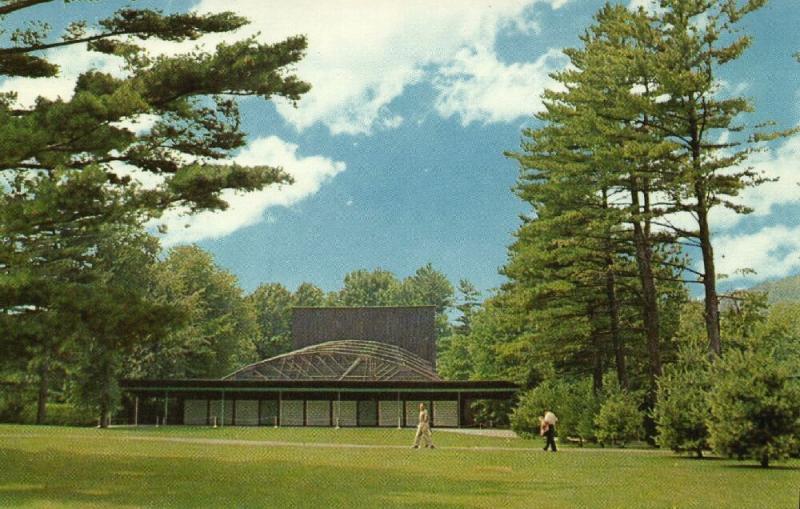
(367, 366)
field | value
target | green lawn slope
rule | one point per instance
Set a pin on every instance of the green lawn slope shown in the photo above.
(326, 468)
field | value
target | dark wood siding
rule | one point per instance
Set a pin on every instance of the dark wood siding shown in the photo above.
(412, 328)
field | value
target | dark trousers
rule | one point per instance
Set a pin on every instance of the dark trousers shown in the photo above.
(550, 434)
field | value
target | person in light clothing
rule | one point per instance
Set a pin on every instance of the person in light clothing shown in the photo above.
(423, 429)
(548, 429)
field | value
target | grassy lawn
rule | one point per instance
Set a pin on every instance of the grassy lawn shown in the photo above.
(185, 467)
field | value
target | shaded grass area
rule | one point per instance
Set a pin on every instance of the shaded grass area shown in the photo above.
(68, 467)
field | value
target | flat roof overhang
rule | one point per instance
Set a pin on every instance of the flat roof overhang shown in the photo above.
(484, 389)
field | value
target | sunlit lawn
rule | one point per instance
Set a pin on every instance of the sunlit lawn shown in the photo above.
(185, 467)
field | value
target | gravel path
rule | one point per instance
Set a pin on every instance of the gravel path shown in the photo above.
(500, 433)
(320, 445)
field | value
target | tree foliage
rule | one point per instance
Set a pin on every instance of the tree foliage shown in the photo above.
(72, 298)
(574, 402)
(682, 410)
(619, 419)
(219, 326)
(190, 99)
(755, 407)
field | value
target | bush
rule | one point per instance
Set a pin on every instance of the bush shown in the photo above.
(12, 402)
(573, 403)
(755, 407)
(682, 411)
(60, 414)
(491, 413)
(619, 419)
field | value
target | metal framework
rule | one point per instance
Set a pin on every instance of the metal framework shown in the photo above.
(347, 360)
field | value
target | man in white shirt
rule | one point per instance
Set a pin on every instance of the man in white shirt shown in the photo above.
(423, 429)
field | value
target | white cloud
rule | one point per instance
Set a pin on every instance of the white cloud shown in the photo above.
(781, 163)
(249, 208)
(362, 55)
(140, 124)
(772, 252)
(477, 87)
(648, 5)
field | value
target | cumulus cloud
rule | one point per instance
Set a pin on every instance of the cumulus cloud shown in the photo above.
(648, 5)
(477, 87)
(781, 164)
(249, 208)
(363, 55)
(773, 251)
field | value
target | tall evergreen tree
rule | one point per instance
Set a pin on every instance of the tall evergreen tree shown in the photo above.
(190, 97)
(693, 40)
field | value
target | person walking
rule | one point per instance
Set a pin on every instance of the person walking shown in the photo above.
(548, 429)
(423, 429)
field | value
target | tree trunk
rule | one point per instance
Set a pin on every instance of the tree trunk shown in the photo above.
(613, 315)
(644, 263)
(105, 394)
(765, 461)
(102, 420)
(709, 275)
(704, 232)
(44, 387)
(613, 309)
(597, 358)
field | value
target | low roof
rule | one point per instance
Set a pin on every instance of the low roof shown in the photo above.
(470, 388)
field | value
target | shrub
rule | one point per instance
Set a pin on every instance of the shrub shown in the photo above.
(755, 407)
(619, 419)
(60, 414)
(682, 411)
(573, 403)
(12, 402)
(491, 413)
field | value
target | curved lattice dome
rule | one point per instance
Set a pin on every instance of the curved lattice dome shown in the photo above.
(341, 360)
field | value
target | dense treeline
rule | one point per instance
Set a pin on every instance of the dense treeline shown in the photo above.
(635, 149)
(78, 291)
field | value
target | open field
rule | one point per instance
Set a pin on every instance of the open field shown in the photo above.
(306, 467)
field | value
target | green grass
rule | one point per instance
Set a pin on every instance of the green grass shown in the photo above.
(184, 467)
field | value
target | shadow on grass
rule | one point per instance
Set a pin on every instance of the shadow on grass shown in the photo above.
(755, 466)
(695, 458)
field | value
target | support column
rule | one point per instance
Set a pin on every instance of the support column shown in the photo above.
(458, 411)
(338, 409)
(280, 406)
(166, 408)
(399, 411)
(222, 410)
(136, 411)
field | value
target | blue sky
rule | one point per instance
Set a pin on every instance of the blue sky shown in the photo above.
(398, 149)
